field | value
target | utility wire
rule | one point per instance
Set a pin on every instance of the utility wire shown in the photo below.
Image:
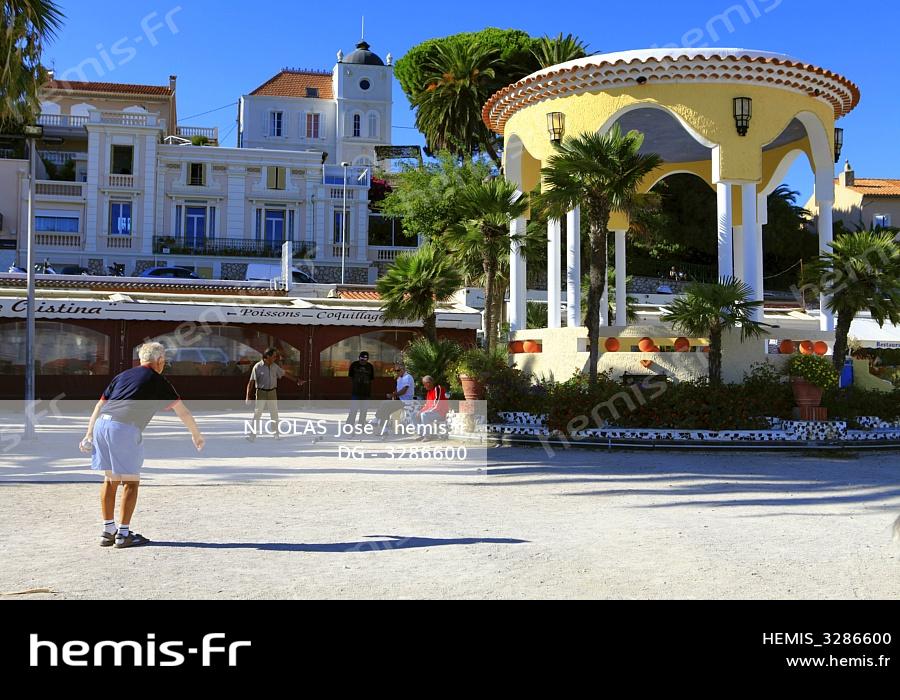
(799, 262)
(202, 114)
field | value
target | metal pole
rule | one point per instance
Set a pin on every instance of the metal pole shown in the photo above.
(344, 227)
(30, 303)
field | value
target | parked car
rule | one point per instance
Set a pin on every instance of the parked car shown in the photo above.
(262, 272)
(74, 270)
(170, 273)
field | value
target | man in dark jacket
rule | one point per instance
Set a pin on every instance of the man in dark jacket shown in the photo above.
(361, 374)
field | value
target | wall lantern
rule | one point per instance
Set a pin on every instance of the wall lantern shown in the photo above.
(838, 144)
(556, 125)
(743, 110)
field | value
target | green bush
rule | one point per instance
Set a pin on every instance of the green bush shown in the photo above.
(424, 358)
(512, 390)
(817, 370)
(852, 403)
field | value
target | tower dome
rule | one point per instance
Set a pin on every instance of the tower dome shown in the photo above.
(362, 56)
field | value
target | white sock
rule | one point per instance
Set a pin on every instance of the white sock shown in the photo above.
(109, 527)
(123, 530)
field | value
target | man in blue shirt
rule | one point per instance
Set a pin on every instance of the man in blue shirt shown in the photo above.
(114, 438)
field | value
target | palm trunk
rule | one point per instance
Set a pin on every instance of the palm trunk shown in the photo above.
(841, 332)
(715, 357)
(595, 293)
(429, 327)
(490, 274)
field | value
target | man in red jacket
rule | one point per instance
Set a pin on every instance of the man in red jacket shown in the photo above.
(434, 412)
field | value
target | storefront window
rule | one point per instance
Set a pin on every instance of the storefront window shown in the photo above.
(229, 351)
(384, 348)
(59, 348)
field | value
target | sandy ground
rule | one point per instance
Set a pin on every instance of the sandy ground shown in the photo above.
(299, 523)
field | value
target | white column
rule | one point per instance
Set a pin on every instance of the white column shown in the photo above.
(826, 236)
(573, 268)
(621, 286)
(737, 245)
(725, 224)
(752, 258)
(554, 282)
(762, 218)
(518, 289)
(604, 308)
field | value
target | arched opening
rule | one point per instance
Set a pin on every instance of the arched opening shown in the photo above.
(222, 351)
(59, 349)
(384, 348)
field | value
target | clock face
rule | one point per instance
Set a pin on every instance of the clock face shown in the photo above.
(365, 84)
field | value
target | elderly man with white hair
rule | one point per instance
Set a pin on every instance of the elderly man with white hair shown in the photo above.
(114, 438)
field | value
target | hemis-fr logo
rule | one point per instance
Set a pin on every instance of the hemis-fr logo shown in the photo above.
(148, 653)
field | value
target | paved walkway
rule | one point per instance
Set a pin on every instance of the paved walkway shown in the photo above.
(293, 520)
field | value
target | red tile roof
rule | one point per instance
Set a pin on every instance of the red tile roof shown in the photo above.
(293, 83)
(357, 295)
(118, 88)
(875, 187)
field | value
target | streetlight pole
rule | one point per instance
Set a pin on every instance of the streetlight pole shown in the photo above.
(344, 165)
(32, 133)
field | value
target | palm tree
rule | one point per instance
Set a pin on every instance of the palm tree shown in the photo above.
(459, 79)
(861, 273)
(415, 284)
(486, 208)
(711, 310)
(551, 51)
(436, 359)
(601, 173)
(27, 25)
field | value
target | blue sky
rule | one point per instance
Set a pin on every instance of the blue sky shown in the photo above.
(221, 49)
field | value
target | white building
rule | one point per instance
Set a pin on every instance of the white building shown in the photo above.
(343, 114)
(120, 183)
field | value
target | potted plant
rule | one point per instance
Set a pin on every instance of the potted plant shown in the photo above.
(811, 376)
(475, 369)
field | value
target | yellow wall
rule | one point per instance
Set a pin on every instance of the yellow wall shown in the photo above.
(706, 107)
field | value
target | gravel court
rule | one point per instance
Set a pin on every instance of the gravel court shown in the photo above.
(577, 524)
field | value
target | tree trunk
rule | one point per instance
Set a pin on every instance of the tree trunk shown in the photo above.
(841, 332)
(490, 274)
(429, 327)
(715, 357)
(595, 293)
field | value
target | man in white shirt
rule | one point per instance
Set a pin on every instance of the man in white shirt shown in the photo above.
(402, 395)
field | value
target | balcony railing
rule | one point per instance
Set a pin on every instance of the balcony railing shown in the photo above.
(356, 176)
(229, 247)
(188, 132)
(59, 189)
(7, 153)
(62, 120)
(58, 240)
(121, 242)
(387, 253)
(126, 181)
(61, 157)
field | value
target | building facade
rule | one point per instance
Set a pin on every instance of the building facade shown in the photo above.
(121, 186)
(868, 203)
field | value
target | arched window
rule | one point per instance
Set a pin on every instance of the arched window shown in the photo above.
(373, 125)
(384, 348)
(222, 351)
(59, 348)
(357, 126)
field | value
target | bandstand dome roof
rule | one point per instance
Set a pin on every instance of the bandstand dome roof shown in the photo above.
(672, 65)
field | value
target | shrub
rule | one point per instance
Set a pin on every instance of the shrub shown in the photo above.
(512, 390)
(852, 403)
(577, 398)
(482, 365)
(423, 358)
(817, 370)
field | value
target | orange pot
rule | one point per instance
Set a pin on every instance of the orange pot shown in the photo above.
(807, 347)
(531, 346)
(516, 347)
(821, 348)
(646, 345)
(473, 390)
(612, 345)
(787, 347)
(806, 394)
(646, 364)
(682, 345)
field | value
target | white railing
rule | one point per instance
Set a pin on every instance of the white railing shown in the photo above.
(387, 253)
(6, 153)
(356, 176)
(121, 181)
(58, 240)
(120, 242)
(64, 120)
(212, 133)
(336, 250)
(338, 193)
(59, 189)
(125, 118)
(61, 157)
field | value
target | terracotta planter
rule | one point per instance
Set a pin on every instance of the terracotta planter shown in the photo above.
(806, 394)
(473, 390)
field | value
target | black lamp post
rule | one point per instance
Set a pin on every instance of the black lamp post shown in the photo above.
(743, 110)
(556, 125)
(32, 134)
(838, 144)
